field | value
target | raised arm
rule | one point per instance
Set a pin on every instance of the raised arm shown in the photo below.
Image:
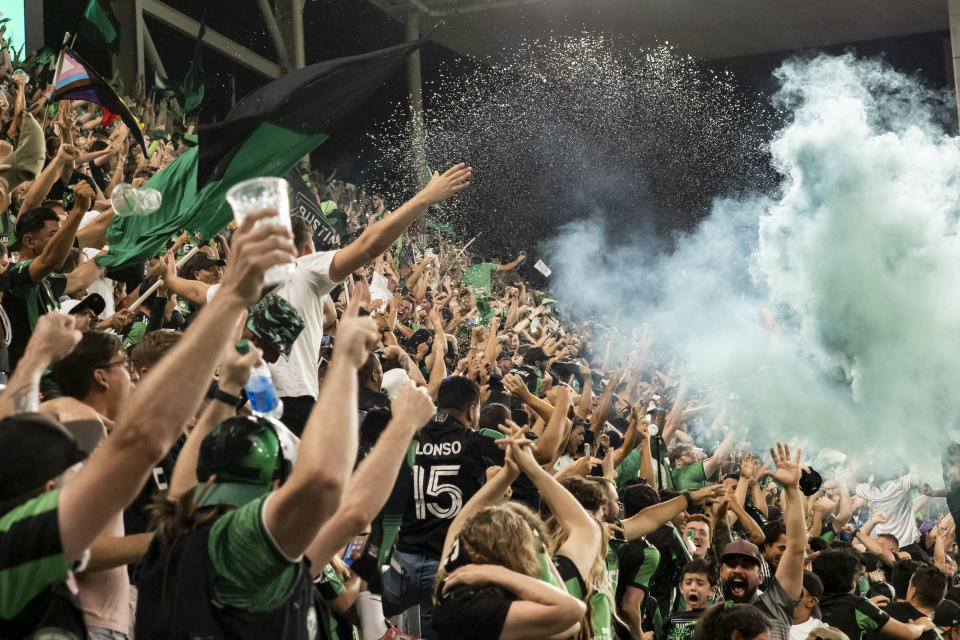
(650, 519)
(583, 532)
(58, 248)
(519, 390)
(52, 339)
(192, 290)
(790, 570)
(83, 276)
(546, 446)
(513, 265)
(376, 238)
(438, 368)
(539, 609)
(712, 464)
(631, 437)
(676, 413)
(48, 177)
(328, 448)
(757, 536)
(235, 370)
(163, 403)
(871, 544)
(586, 394)
(492, 492)
(599, 417)
(373, 480)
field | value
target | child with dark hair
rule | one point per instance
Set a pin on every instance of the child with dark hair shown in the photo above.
(698, 586)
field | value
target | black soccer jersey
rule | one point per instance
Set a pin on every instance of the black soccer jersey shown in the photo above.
(449, 467)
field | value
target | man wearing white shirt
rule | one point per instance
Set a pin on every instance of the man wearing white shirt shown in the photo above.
(806, 616)
(317, 274)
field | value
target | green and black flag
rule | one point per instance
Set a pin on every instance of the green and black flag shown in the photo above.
(98, 25)
(267, 133)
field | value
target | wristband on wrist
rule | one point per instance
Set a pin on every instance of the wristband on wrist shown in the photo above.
(222, 396)
(686, 494)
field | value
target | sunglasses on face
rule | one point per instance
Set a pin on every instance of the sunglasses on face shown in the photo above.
(739, 563)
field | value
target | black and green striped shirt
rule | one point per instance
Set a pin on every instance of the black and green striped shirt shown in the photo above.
(31, 555)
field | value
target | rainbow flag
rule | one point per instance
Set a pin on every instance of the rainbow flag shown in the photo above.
(77, 80)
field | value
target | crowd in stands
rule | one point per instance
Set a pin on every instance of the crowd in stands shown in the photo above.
(454, 455)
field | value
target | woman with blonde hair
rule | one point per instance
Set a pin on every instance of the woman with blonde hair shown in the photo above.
(496, 579)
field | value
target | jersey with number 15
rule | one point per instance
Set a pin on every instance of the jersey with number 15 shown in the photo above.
(449, 467)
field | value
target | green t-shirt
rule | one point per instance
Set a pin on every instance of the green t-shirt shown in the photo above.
(689, 478)
(137, 330)
(629, 468)
(30, 537)
(25, 301)
(251, 572)
(478, 276)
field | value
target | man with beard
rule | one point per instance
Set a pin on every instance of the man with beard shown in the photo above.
(741, 560)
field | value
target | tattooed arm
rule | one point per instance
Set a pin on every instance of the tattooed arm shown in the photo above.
(53, 338)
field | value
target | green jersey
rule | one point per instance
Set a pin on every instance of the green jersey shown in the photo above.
(689, 478)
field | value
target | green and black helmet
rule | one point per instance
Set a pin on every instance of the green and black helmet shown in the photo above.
(275, 320)
(246, 454)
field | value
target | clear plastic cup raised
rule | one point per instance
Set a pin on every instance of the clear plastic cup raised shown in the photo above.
(261, 193)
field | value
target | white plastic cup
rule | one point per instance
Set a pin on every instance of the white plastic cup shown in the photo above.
(262, 193)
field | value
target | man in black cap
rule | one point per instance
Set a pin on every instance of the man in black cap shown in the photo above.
(807, 615)
(32, 286)
(741, 560)
(86, 310)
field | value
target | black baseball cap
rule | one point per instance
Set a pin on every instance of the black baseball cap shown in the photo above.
(31, 221)
(812, 584)
(93, 302)
(946, 615)
(34, 448)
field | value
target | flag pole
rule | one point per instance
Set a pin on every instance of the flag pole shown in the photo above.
(156, 285)
(56, 74)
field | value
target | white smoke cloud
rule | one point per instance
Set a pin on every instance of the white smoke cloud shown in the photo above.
(856, 255)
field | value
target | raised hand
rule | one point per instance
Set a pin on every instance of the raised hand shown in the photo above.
(356, 336)
(788, 469)
(254, 251)
(706, 493)
(748, 467)
(515, 386)
(442, 186)
(54, 337)
(824, 505)
(412, 407)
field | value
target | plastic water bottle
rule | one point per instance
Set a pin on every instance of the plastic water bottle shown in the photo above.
(260, 390)
(127, 200)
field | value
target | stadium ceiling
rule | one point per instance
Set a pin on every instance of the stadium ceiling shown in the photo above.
(709, 29)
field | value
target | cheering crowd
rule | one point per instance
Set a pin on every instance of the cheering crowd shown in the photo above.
(453, 454)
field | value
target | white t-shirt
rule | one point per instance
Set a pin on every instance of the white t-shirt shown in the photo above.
(306, 291)
(892, 498)
(802, 630)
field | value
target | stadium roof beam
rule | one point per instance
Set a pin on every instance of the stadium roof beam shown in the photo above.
(213, 39)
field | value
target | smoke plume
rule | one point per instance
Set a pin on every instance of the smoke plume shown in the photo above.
(854, 255)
